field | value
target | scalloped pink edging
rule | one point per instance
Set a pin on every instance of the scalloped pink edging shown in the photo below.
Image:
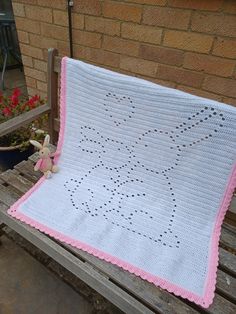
(210, 282)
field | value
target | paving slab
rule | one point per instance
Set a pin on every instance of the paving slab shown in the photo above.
(28, 287)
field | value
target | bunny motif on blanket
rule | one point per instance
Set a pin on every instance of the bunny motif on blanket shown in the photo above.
(121, 178)
(45, 164)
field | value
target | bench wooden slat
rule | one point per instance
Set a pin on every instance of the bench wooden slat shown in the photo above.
(221, 306)
(228, 239)
(23, 119)
(13, 178)
(7, 197)
(226, 285)
(227, 261)
(231, 213)
(233, 205)
(27, 169)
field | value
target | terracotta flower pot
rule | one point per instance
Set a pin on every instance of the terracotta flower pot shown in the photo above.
(10, 156)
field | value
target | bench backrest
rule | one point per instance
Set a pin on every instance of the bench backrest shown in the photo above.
(54, 70)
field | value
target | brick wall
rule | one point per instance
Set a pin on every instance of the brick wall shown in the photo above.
(185, 44)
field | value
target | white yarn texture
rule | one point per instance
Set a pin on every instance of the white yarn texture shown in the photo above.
(143, 172)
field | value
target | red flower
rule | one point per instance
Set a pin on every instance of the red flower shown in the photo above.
(16, 92)
(15, 97)
(13, 105)
(7, 112)
(32, 101)
(14, 101)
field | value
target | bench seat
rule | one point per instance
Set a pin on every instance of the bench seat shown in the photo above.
(129, 293)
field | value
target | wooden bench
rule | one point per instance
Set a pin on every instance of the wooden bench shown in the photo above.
(129, 293)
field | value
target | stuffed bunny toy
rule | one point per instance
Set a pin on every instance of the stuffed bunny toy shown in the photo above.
(44, 164)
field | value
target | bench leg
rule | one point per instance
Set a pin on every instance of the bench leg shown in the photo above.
(2, 225)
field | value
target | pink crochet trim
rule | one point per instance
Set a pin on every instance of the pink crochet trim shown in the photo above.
(210, 282)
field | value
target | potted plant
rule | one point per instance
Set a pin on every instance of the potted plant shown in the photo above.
(15, 147)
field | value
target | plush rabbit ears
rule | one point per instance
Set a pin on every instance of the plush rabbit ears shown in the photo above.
(40, 146)
(36, 144)
(46, 140)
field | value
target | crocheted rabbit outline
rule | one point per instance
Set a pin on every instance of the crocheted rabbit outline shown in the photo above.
(126, 173)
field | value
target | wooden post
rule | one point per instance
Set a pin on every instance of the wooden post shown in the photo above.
(52, 92)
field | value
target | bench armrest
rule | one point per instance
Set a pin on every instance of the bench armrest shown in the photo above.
(23, 119)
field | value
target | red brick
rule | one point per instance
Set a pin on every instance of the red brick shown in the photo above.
(223, 86)
(23, 37)
(188, 41)
(37, 13)
(139, 66)
(229, 6)
(26, 1)
(34, 91)
(54, 31)
(42, 86)
(98, 56)
(212, 5)
(30, 82)
(209, 64)
(27, 61)
(166, 17)
(58, 4)
(92, 7)
(225, 47)
(63, 48)
(31, 51)
(161, 55)
(120, 45)
(36, 74)
(78, 21)
(18, 9)
(60, 17)
(42, 42)
(102, 25)
(40, 65)
(154, 2)
(87, 38)
(199, 92)
(213, 23)
(27, 25)
(180, 76)
(141, 33)
(230, 101)
(162, 82)
(122, 11)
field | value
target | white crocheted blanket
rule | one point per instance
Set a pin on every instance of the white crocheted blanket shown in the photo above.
(146, 176)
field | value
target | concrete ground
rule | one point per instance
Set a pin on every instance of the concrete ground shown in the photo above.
(27, 287)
